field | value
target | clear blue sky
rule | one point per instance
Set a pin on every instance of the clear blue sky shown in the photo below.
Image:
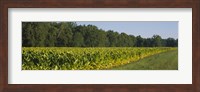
(146, 29)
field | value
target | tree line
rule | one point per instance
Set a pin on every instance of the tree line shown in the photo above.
(69, 34)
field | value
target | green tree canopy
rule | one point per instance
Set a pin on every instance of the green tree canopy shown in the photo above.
(69, 34)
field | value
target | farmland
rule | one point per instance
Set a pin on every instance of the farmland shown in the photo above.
(162, 61)
(99, 45)
(88, 58)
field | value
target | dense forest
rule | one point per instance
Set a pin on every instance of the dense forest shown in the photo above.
(69, 34)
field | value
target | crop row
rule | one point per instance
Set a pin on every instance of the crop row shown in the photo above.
(63, 58)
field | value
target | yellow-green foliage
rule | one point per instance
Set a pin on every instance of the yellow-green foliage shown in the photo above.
(64, 58)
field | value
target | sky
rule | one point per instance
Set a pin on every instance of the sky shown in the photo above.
(145, 29)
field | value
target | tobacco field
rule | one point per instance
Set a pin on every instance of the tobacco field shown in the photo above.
(75, 58)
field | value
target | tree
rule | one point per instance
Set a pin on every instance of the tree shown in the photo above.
(132, 40)
(123, 40)
(171, 42)
(40, 31)
(140, 41)
(78, 40)
(176, 44)
(90, 36)
(51, 36)
(28, 38)
(157, 41)
(112, 38)
(148, 42)
(64, 36)
(101, 38)
(67, 34)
